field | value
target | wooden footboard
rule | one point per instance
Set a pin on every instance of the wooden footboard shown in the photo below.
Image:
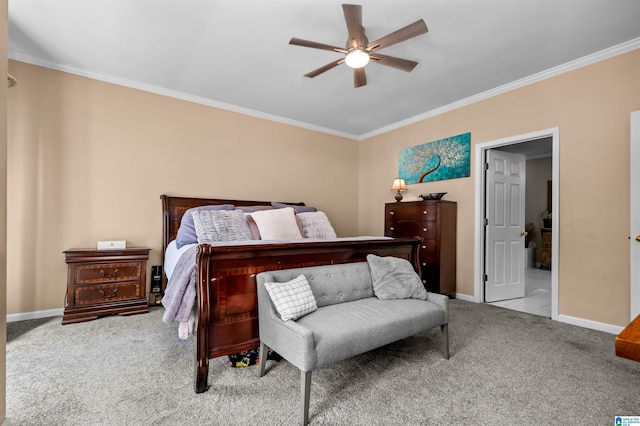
(227, 303)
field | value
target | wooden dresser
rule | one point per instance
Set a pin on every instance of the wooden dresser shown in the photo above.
(435, 222)
(546, 237)
(105, 282)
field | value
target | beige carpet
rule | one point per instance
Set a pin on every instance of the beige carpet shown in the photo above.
(506, 368)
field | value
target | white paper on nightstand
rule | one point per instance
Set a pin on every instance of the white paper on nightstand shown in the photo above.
(106, 245)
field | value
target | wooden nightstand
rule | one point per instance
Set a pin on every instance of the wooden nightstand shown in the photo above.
(105, 282)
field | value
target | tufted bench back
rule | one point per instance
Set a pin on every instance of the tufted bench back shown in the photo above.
(330, 284)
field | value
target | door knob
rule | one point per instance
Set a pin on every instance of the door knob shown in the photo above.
(525, 233)
(638, 237)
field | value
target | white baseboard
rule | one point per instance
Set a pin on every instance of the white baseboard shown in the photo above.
(580, 322)
(594, 325)
(35, 315)
(465, 297)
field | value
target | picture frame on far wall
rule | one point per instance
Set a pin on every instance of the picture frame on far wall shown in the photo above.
(448, 158)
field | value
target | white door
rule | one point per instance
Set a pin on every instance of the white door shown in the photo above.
(635, 214)
(504, 251)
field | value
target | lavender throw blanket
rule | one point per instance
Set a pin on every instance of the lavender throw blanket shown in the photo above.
(180, 295)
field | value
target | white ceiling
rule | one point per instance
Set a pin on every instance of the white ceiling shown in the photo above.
(235, 54)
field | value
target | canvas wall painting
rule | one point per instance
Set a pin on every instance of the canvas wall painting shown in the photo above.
(448, 158)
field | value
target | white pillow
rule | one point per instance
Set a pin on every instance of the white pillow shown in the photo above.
(316, 225)
(220, 225)
(277, 224)
(292, 299)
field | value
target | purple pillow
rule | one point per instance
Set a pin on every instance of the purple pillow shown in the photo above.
(296, 208)
(187, 231)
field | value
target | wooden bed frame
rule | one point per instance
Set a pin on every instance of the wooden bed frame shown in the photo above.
(227, 320)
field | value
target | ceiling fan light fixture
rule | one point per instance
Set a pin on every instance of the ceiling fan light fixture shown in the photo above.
(357, 58)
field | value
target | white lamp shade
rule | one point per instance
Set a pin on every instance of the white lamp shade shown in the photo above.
(399, 185)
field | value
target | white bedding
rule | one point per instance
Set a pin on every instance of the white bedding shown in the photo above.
(171, 256)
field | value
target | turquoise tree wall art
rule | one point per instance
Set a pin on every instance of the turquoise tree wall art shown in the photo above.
(448, 158)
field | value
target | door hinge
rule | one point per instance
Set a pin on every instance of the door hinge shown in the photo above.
(485, 221)
(486, 166)
(486, 278)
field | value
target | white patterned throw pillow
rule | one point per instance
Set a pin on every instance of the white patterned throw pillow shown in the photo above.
(292, 299)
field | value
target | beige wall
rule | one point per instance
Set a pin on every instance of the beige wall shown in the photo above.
(591, 106)
(85, 160)
(3, 210)
(89, 161)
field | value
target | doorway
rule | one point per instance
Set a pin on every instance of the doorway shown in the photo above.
(546, 142)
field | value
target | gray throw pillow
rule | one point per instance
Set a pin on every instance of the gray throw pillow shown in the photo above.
(187, 231)
(394, 278)
(221, 225)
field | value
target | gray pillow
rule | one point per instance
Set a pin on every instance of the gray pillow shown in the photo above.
(394, 278)
(187, 232)
(296, 208)
(221, 225)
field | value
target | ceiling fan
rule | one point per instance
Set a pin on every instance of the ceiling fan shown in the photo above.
(358, 51)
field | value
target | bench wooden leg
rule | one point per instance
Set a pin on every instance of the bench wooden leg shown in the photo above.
(262, 361)
(305, 388)
(445, 340)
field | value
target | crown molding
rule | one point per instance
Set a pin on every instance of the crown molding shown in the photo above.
(176, 94)
(534, 78)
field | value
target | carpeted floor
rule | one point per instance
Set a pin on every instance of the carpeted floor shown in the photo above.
(506, 368)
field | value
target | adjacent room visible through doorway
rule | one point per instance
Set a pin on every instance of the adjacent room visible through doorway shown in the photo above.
(538, 219)
(531, 258)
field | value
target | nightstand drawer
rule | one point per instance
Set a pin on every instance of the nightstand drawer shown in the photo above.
(91, 274)
(90, 295)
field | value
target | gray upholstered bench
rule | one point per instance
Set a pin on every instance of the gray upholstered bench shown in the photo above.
(349, 320)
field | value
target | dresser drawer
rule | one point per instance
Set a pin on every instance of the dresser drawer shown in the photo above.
(428, 252)
(101, 293)
(410, 228)
(98, 273)
(414, 212)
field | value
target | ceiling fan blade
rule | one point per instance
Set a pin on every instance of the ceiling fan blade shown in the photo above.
(410, 31)
(353, 17)
(398, 63)
(315, 45)
(322, 69)
(359, 77)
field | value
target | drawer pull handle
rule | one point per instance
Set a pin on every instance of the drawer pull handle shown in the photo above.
(104, 274)
(425, 229)
(391, 228)
(392, 212)
(115, 291)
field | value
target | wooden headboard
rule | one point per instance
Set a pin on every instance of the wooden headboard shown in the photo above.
(174, 207)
